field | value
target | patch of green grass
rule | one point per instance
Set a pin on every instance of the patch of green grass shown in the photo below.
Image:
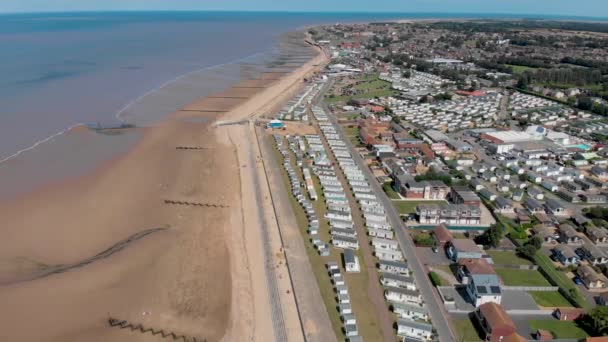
(518, 69)
(437, 280)
(409, 207)
(390, 192)
(508, 258)
(515, 277)
(465, 330)
(550, 299)
(558, 278)
(559, 329)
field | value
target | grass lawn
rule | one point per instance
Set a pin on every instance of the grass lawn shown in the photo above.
(549, 299)
(390, 192)
(514, 277)
(508, 258)
(465, 330)
(409, 207)
(559, 279)
(559, 329)
(518, 69)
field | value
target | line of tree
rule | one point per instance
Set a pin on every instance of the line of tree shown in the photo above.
(576, 77)
(601, 65)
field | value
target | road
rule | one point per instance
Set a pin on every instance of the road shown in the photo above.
(434, 305)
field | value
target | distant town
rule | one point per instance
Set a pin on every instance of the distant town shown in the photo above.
(449, 179)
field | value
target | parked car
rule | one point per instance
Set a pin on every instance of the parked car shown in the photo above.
(578, 281)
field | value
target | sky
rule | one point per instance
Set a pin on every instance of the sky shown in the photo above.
(591, 8)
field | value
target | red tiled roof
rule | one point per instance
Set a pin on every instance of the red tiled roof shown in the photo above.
(497, 318)
(477, 266)
(442, 233)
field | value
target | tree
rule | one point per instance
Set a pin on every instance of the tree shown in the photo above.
(536, 242)
(527, 251)
(596, 321)
(396, 119)
(491, 237)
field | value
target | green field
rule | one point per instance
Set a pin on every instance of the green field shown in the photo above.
(409, 207)
(515, 277)
(508, 258)
(559, 279)
(465, 330)
(370, 86)
(518, 69)
(549, 299)
(559, 329)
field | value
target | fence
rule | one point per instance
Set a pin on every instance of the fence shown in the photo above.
(531, 288)
(124, 324)
(517, 267)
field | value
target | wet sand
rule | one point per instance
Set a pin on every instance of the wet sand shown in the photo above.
(193, 277)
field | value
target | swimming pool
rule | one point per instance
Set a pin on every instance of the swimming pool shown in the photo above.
(581, 146)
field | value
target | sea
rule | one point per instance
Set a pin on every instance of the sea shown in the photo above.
(61, 70)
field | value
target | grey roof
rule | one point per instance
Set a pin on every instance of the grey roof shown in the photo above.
(400, 290)
(349, 256)
(502, 202)
(397, 277)
(532, 204)
(409, 307)
(393, 263)
(594, 251)
(565, 250)
(415, 325)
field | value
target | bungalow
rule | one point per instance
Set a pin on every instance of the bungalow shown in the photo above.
(568, 196)
(534, 177)
(489, 177)
(385, 243)
(345, 309)
(408, 328)
(487, 194)
(600, 172)
(592, 254)
(549, 186)
(345, 242)
(518, 195)
(602, 299)
(597, 235)
(503, 186)
(494, 321)
(594, 199)
(469, 267)
(464, 249)
(399, 295)
(351, 330)
(349, 319)
(442, 235)
(351, 261)
(554, 207)
(393, 267)
(544, 233)
(568, 314)
(388, 254)
(476, 184)
(343, 232)
(396, 280)
(502, 174)
(382, 233)
(410, 311)
(484, 288)
(504, 206)
(565, 255)
(536, 193)
(590, 278)
(533, 206)
(568, 235)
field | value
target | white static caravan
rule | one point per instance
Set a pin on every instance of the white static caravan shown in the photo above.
(381, 233)
(388, 254)
(383, 243)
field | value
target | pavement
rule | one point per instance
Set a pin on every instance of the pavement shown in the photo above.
(439, 315)
(314, 317)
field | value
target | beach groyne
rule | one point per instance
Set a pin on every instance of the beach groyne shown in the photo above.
(124, 324)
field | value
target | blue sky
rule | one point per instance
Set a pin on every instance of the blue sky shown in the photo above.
(596, 8)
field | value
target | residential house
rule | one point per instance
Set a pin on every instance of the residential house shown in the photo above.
(463, 195)
(590, 278)
(536, 193)
(442, 235)
(494, 321)
(351, 261)
(593, 254)
(565, 255)
(554, 207)
(597, 235)
(568, 314)
(476, 184)
(400, 295)
(569, 235)
(489, 177)
(393, 267)
(503, 186)
(464, 249)
(518, 195)
(409, 328)
(533, 206)
(544, 233)
(396, 280)
(453, 214)
(487, 194)
(504, 206)
(410, 311)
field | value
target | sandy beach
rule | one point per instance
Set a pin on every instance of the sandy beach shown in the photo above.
(109, 245)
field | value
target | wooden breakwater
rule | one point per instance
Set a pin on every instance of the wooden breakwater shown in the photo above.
(124, 324)
(196, 204)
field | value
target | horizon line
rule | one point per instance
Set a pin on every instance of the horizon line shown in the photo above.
(371, 13)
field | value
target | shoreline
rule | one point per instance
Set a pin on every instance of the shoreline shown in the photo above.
(175, 280)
